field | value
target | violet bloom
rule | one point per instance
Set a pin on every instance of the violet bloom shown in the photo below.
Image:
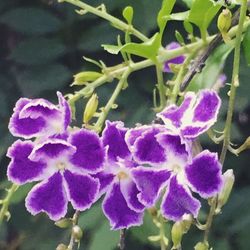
(39, 117)
(194, 116)
(175, 60)
(64, 169)
(121, 205)
(173, 169)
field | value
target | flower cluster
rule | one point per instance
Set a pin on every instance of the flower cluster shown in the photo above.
(132, 168)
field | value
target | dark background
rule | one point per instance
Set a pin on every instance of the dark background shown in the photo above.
(41, 47)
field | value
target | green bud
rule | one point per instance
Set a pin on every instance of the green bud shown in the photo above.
(83, 78)
(61, 247)
(224, 23)
(201, 246)
(223, 196)
(177, 233)
(244, 146)
(154, 238)
(63, 223)
(90, 108)
(77, 232)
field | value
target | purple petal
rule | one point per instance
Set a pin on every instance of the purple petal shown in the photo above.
(175, 60)
(25, 127)
(130, 193)
(21, 169)
(81, 189)
(191, 132)
(51, 149)
(105, 179)
(173, 115)
(113, 136)
(204, 174)
(89, 154)
(117, 211)
(147, 150)
(133, 134)
(48, 196)
(150, 182)
(65, 109)
(207, 107)
(178, 201)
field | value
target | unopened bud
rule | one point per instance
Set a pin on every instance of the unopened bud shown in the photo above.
(61, 247)
(77, 233)
(177, 233)
(244, 146)
(90, 108)
(228, 179)
(63, 223)
(83, 78)
(224, 23)
(201, 246)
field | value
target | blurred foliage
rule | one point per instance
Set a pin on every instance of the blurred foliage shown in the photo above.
(41, 47)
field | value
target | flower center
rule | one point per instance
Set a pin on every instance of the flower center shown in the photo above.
(122, 175)
(61, 165)
(176, 168)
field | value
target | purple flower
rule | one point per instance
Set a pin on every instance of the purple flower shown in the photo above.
(64, 169)
(173, 169)
(176, 60)
(39, 117)
(121, 205)
(194, 116)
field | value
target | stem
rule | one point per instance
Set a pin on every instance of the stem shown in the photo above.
(6, 202)
(110, 103)
(234, 85)
(103, 14)
(122, 239)
(235, 81)
(162, 234)
(160, 86)
(74, 223)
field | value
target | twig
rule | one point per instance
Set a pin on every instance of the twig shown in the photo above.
(72, 237)
(122, 239)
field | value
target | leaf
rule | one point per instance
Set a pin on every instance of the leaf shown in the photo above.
(188, 2)
(202, 13)
(246, 46)
(21, 193)
(38, 79)
(39, 50)
(128, 14)
(147, 49)
(31, 20)
(166, 8)
(180, 16)
(104, 238)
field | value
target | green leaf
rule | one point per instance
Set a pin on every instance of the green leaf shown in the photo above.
(128, 14)
(166, 8)
(246, 46)
(104, 238)
(147, 49)
(180, 16)
(202, 13)
(35, 51)
(21, 193)
(188, 2)
(31, 21)
(38, 79)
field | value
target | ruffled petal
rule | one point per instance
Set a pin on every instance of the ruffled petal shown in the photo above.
(150, 182)
(52, 149)
(130, 193)
(81, 190)
(21, 169)
(89, 154)
(48, 196)
(65, 109)
(147, 150)
(175, 60)
(113, 136)
(117, 211)
(204, 174)
(178, 201)
(173, 115)
(25, 127)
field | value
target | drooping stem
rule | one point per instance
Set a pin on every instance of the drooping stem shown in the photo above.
(6, 201)
(111, 102)
(103, 14)
(227, 130)
(161, 87)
